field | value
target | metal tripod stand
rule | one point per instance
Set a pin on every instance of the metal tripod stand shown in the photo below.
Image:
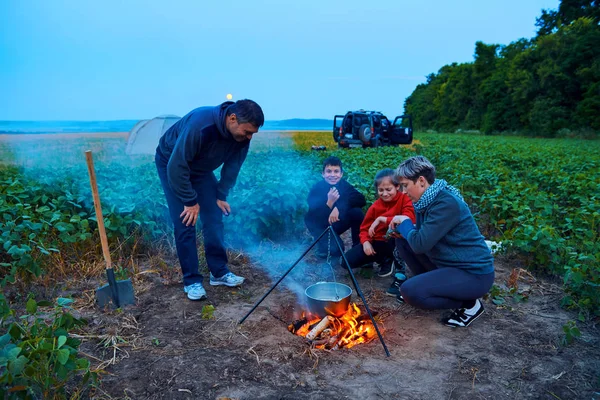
(354, 282)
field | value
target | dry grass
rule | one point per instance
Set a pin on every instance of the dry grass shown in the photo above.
(112, 345)
(303, 140)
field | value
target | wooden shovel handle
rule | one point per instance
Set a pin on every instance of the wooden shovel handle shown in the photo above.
(98, 207)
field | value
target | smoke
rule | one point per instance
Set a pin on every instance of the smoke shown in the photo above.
(276, 259)
(57, 163)
(268, 202)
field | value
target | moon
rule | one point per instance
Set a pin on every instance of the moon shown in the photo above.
(229, 96)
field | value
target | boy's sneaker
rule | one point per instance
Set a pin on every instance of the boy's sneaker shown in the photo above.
(463, 317)
(387, 268)
(229, 279)
(394, 290)
(368, 265)
(195, 291)
(400, 299)
(400, 264)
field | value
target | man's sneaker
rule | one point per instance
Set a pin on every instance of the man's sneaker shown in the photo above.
(229, 279)
(463, 317)
(195, 291)
(400, 299)
(394, 290)
(386, 268)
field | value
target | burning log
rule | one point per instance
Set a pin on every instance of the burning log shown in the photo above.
(319, 328)
(297, 324)
(365, 317)
(313, 324)
(319, 342)
(333, 333)
(332, 341)
(325, 342)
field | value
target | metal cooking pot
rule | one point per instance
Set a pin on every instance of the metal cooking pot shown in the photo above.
(328, 298)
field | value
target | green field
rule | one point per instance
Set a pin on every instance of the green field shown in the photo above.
(539, 197)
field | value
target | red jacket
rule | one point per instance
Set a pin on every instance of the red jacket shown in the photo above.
(401, 205)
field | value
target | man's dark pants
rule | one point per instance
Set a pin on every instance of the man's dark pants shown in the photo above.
(350, 219)
(211, 217)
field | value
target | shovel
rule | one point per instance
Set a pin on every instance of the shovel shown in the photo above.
(120, 292)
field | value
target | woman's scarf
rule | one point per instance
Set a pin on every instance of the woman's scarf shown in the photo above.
(432, 191)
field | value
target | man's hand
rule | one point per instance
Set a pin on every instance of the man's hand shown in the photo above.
(224, 206)
(334, 216)
(368, 249)
(397, 220)
(374, 225)
(190, 215)
(332, 196)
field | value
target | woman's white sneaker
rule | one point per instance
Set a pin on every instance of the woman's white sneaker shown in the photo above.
(463, 317)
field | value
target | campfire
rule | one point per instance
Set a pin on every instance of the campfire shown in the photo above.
(333, 333)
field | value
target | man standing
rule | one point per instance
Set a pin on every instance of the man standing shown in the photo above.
(186, 157)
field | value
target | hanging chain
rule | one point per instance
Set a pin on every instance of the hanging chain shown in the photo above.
(337, 296)
(329, 247)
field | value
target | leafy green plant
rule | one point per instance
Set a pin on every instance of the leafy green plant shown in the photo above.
(208, 311)
(38, 357)
(571, 332)
(53, 220)
(499, 295)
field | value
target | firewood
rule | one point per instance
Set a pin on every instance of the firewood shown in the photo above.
(331, 341)
(319, 328)
(365, 317)
(319, 342)
(297, 324)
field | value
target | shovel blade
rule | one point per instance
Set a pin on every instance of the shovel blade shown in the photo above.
(124, 290)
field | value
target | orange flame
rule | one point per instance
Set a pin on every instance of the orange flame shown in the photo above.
(349, 330)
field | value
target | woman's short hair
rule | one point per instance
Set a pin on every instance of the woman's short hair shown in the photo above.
(414, 167)
(385, 173)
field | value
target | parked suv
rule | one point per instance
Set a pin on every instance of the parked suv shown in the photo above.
(371, 129)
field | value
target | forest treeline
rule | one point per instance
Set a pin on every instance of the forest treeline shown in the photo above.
(548, 85)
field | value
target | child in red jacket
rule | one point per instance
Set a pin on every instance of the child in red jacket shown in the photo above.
(375, 245)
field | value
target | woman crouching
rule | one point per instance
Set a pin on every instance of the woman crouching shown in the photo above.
(451, 263)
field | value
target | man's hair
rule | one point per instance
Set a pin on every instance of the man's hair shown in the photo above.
(416, 166)
(247, 111)
(333, 161)
(386, 173)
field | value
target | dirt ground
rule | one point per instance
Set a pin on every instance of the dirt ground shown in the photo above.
(167, 347)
